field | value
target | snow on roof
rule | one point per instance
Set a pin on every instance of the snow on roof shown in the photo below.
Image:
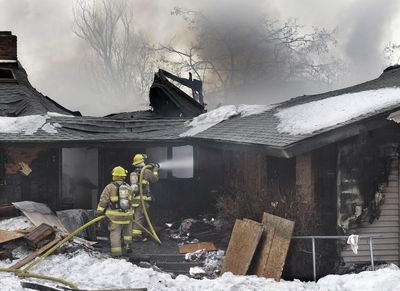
(27, 125)
(313, 116)
(211, 118)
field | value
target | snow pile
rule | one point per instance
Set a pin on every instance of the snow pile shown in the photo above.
(95, 271)
(15, 223)
(209, 119)
(28, 125)
(313, 116)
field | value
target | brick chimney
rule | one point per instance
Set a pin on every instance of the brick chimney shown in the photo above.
(8, 46)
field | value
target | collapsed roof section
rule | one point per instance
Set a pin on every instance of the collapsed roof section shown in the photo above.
(19, 98)
(168, 100)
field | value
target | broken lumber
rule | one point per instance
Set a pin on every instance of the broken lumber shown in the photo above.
(6, 236)
(274, 246)
(242, 245)
(35, 254)
(190, 248)
(38, 234)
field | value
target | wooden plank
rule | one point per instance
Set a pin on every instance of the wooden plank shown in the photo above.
(274, 250)
(6, 236)
(242, 245)
(39, 233)
(35, 254)
(190, 248)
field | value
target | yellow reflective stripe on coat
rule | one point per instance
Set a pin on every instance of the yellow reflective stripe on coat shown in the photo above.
(145, 182)
(116, 250)
(114, 198)
(145, 198)
(119, 213)
(100, 209)
(136, 231)
(135, 204)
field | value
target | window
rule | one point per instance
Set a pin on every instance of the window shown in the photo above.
(6, 74)
(182, 162)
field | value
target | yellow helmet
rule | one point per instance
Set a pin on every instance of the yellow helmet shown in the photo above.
(138, 159)
(119, 171)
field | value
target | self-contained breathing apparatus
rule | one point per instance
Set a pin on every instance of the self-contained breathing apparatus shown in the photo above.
(122, 200)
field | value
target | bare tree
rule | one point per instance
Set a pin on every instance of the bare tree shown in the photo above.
(229, 55)
(123, 62)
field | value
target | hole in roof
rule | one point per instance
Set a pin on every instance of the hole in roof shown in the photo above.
(6, 74)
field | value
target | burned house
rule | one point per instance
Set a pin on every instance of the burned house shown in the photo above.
(328, 161)
(51, 154)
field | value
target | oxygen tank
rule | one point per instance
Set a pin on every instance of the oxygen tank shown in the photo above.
(134, 179)
(123, 193)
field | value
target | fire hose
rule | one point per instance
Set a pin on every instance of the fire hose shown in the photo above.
(152, 232)
(25, 274)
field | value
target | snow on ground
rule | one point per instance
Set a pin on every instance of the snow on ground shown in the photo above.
(95, 271)
(310, 117)
(29, 124)
(15, 223)
(211, 118)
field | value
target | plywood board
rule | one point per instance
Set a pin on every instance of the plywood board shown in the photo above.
(274, 246)
(242, 245)
(6, 236)
(190, 248)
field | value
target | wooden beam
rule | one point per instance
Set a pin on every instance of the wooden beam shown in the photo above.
(305, 184)
(35, 254)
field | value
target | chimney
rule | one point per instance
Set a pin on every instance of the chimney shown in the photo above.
(8, 46)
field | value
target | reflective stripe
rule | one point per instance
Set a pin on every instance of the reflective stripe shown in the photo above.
(121, 221)
(127, 238)
(119, 213)
(116, 250)
(114, 198)
(135, 205)
(100, 209)
(136, 231)
(145, 182)
(145, 198)
(155, 173)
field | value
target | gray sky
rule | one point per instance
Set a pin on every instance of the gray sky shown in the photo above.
(53, 55)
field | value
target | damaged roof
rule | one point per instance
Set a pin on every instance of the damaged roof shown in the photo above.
(265, 130)
(28, 116)
(19, 98)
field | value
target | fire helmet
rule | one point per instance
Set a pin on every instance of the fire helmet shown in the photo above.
(138, 159)
(119, 171)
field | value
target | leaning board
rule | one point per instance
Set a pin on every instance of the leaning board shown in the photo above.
(274, 246)
(242, 245)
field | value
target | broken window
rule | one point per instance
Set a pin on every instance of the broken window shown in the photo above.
(79, 178)
(182, 162)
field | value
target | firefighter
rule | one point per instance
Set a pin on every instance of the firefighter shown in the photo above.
(149, 176)
(116, 203)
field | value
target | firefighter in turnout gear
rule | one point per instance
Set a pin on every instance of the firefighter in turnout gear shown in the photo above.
(116, 203)
(149, 176)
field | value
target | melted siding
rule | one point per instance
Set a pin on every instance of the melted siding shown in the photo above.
(386, 249)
